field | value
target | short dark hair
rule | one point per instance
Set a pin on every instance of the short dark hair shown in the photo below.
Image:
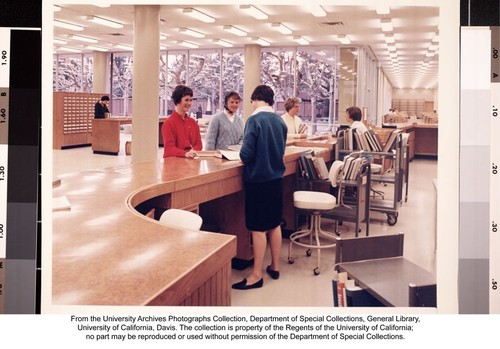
(104, 98)
(354, 113)
(179, 92)
(263, 93)
(230, 94)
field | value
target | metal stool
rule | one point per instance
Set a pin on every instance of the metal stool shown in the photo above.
(315, 202)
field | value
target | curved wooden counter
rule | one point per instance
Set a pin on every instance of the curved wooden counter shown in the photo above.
(106, 253)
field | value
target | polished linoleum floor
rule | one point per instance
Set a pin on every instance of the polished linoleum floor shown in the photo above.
(298, 286)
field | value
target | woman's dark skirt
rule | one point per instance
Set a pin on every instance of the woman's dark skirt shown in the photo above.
(263, 204)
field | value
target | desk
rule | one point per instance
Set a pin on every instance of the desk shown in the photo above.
(387, 279)
(104, 252)
(106, 134)
(328, 143)
(425, 139)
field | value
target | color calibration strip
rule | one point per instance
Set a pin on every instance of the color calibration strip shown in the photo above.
(494, 298)
(475, 111)
(20, 115)
(4, 149)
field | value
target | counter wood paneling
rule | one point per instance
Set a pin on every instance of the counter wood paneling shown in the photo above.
(106, 134)
(105, 252)
(425, 140)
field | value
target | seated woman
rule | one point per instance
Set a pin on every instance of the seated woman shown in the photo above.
(353, 117)
(226, 128)
(181, 133)
(296, 127)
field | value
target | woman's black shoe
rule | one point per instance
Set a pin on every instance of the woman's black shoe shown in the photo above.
(242, 285)
(273, 273)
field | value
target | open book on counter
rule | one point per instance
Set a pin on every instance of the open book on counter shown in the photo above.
(222, 154)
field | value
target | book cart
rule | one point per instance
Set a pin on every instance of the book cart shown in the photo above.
(352, 190)
(396, 152)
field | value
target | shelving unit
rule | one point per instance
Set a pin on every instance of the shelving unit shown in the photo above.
(410, 106)
(73, 114)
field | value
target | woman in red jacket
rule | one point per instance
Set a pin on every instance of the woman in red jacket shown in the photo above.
(181, 133)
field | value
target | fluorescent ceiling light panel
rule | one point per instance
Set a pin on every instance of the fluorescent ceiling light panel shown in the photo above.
(198, 15)
(83, 38)
(124, 47)
(261, 42)
(301, 40)
(192, 33)
(163, 47)
(163, 37)
(68, 25)
(386, 24)
(391, 47)
(317, 11)
(383, 10)
(105, 22)
(222, 43)
(96, 48)
(69, 49)
(56, 8)
(283, 29)
(254, 11)
(435, 38)
(187, 44)
(234, 30)
(343, 39)
(389, 38)
(60, 42)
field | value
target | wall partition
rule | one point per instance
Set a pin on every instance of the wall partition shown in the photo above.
(347, 72)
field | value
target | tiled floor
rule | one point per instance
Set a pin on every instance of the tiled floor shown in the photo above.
(298, 286)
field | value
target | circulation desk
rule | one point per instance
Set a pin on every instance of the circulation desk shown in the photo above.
(106, 134)
(105, 252)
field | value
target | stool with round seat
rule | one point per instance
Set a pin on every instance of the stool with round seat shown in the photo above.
(315, 203)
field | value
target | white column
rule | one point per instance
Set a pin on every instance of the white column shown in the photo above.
(99, 72)
(251, 76)
(145, 83)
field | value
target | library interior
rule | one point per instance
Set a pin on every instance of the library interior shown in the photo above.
(131, 227)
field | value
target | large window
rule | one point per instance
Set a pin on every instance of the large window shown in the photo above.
(324, 77)
(121, 83)
(309, 74)
(278, 70)
(233, 65)
(205, 80)
(177, 63)
(68, 73)
(316, 86)
(72, 73)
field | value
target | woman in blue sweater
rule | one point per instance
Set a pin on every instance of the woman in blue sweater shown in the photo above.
(262, 154)
(225, 128)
